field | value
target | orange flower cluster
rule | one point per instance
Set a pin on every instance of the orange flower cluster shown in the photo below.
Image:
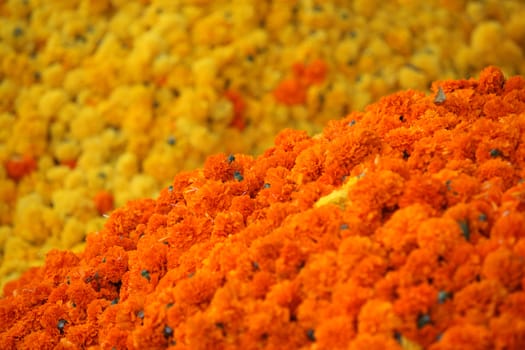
(293, 90)
(401, 227)
(104, 202)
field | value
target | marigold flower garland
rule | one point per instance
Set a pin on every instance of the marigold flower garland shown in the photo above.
(401, 227)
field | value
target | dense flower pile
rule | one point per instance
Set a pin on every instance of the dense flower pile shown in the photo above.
(104, 101)
(401, 227)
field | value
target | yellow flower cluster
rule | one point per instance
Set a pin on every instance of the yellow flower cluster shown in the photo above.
(117, 96)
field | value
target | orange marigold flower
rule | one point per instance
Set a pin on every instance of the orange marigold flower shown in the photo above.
(509, 331)
(491, 80)
(415, 301)
(104, 202)
(239, 107)
(479, 301)
(439, 235)
(406, 220)
(465, 336)
(44, 340)
(17, 167)
(498, 168)
(335, 333)
(290, 92)
(506, 267)
(315, 72)
(378, 317)
(509, 228)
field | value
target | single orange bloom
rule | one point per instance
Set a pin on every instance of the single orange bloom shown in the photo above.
(315, 72)
(290, 92)
(17, 167)
(239, 107)
(104, 202)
